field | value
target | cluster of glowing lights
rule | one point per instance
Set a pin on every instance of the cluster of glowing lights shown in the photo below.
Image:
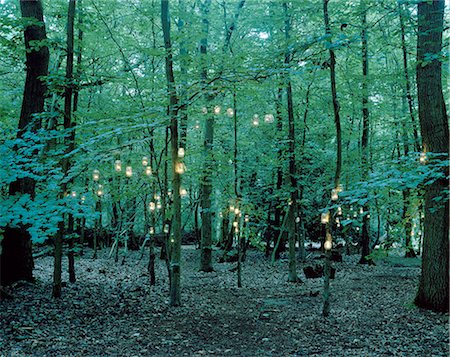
(255, 121)
(95, 175)
(100, 190)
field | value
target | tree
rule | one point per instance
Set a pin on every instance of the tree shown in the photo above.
(16, 255)
(434, 281)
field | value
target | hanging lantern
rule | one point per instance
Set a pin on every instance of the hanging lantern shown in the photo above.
(96, 175)
(328, 245)
(325, 217)
(158, 205)
(148, 170)
(180, 168)
(181, 152)
(355, 215)
(73, 194)
(361, 210)
(152, 206)
(247, 218)
(118, 165)
(230, 112)
(297, 219)
(231, 208)
(337, 221)
(166, 228)
(144, 161)
(423, 157)
(129, 171)
(255, 121)
(339, 211)
(83, 198)
(217, 109)
(236, 211)
(235, 224)
(151, 230)
(183, 192)
(197, 124)
(269, 118)
(100, 190)
(357, 229)
(334, 194)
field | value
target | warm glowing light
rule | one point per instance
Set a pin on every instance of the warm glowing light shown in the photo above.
(129, 171)
(151, 230)
(231, 208)
(368, 216)
(145, 161)
(235, 224)
(361, 210)
(197, 124)
(339, 211)
(351, 208)
(148, 170)
(357, 229)
(236, 211)
(355, 215)
(118, 165)
(255, 121)
(328, 245)
(180, 168)
(423, 157)
(181, 152)
(172, 240)
(83, 198)
(152, 206)
(96, 175)
(220, 214)
(269, 118)
(247, 218)
(337, 221)
(183, 192)
(334, 194)
(230, 112)
(73, 194)
(217, 109)
(340, 188)
(158, 205)
(325, 217)
(166, 228)
(100, 190)
(297, 219)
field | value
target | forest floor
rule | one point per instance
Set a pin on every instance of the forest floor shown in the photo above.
(112, 311)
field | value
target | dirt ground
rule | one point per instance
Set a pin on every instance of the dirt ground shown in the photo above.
(112, 311)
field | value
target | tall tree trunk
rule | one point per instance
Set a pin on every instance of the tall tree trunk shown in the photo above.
(433, 290)
(292, 277)
(175, 241)
(365, 234)
(16, 260)
(206, 180)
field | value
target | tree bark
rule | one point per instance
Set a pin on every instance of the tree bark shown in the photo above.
(16, 260)
(175, 241)
(433, 290)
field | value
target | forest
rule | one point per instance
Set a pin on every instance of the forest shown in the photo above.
(224, 177)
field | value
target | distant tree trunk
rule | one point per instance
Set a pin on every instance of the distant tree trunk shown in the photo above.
(406, 74)
(292, 277)
(434, 283)
(175, 254)
(206, 180)
(365, 234)
(16, 260)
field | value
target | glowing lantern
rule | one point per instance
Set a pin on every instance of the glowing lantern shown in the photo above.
(247, 218)
(96, 175)
(118, 165)
(269, 118)
(230, 112)
(152, 206)
(73, 194)
(158, 205)
(152, 230)
(340, 188)
(181, 152)
(217, 109)
(183, 192)
(357, 229)
(235, 224)
(325, 217)
(236, 211)
(337, 221)
(255, 121)
(148, 170)
(83, 198)
(100, 190)
(297, 219)
(180, 168)
(334, 194)
(328, 245)
(145, 161)
(355, 215)
(231, 208)
(423, 157)
(129, 171)
(339, 211)
(166, 228)
(197, 125)
(361, 210)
